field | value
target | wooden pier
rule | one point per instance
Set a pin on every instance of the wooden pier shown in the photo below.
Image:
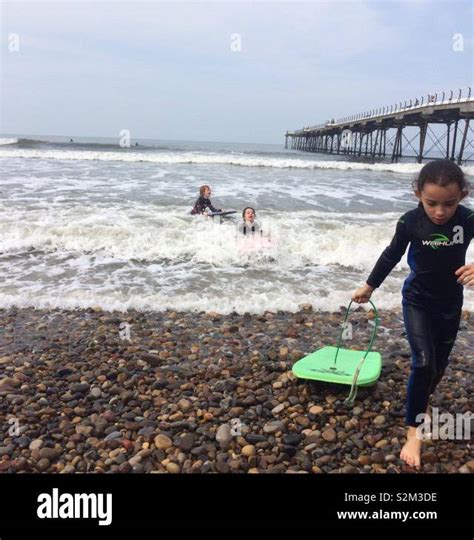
(379, 133)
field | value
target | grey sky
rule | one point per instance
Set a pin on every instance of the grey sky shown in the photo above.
(165, 70)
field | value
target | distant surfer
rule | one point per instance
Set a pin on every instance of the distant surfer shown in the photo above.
(203, 203)
(249, 225)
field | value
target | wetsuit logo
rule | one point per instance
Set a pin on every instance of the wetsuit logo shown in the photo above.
(441, 240)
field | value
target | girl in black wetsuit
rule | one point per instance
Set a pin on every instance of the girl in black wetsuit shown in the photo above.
(203, 202)
(438, 231)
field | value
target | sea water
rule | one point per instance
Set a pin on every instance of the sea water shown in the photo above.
(87, 223)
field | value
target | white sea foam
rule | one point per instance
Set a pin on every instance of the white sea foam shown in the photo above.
(242, 299)
(83, 228)
(78, 257)
(174, 158)
(7, 140)
(299, 238)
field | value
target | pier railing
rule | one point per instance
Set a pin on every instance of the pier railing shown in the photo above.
(444, 97)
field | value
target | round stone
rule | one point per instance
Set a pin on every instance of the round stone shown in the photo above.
(248, 450)
(36, 444)
(379, 420)
(43, 464)
(163, 442)
(224, 434)
(172, 468)
(316, 409)
(329, 435)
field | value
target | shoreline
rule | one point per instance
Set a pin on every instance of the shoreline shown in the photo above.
(203, 392)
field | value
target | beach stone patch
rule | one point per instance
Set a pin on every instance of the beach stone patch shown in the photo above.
(206, 393)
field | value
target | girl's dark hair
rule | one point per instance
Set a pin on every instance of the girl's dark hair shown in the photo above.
(441, 172)
(248, 208)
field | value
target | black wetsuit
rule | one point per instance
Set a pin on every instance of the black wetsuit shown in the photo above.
(247, 227)
(201, 204)
(432, 298)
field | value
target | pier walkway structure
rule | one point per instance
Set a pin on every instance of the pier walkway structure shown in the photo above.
(381, 133)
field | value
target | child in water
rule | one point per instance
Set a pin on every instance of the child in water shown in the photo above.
(249, 226)
(203, 202)
(438, 231)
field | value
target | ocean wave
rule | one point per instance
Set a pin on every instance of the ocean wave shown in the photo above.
(241, 160)
(250, 301)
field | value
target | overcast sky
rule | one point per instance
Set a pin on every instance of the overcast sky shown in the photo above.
(166, 70)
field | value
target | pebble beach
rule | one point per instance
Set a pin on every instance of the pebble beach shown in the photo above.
(93, 391)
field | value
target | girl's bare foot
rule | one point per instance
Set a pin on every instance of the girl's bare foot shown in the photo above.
(412, 449)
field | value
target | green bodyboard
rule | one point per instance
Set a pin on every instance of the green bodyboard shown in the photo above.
(319, 366)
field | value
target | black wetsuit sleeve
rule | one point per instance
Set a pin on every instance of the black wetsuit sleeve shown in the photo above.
(211, 207)
(390, 256)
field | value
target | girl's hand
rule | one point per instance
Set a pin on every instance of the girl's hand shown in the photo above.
(466, 275)
(363, 294)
